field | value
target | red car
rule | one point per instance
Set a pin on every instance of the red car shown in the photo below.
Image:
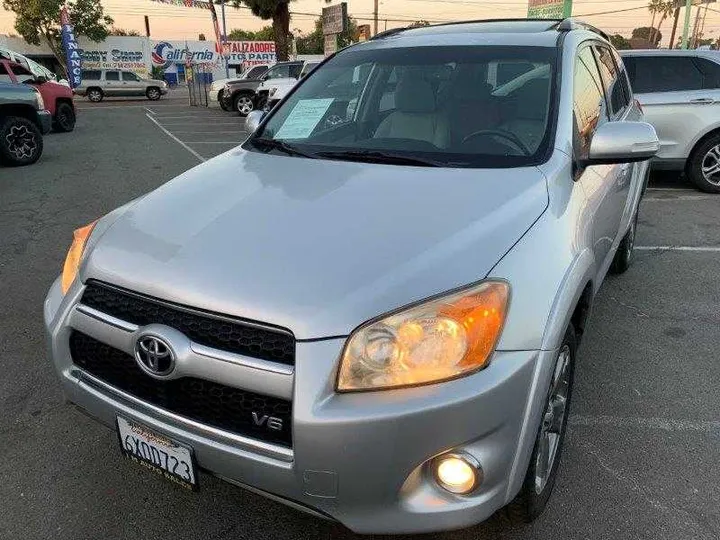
(58, 97)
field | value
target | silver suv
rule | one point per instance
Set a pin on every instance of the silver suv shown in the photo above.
(99, 83)
(371, 310)
(679, 90)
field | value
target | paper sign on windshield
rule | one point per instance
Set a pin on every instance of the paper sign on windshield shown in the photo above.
(304, 117)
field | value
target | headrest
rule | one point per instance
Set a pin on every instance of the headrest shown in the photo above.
(414, 94)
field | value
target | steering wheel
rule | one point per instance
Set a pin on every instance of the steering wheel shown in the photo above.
(507, 135)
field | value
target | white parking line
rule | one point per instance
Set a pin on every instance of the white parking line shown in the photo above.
(173, 137)
(148, 109)
(679, 248)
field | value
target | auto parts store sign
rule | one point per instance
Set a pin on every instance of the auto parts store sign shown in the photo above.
(166, 53)
(549, 9)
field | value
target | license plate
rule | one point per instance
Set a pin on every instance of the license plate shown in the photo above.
(157, 453)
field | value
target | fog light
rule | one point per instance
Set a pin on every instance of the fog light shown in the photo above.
(457, 473)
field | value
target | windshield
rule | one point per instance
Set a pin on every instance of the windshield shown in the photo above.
(480, 106)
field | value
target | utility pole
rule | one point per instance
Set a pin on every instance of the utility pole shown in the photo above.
(686, 24)
(147, 26)
(224, 36)
(375, 17)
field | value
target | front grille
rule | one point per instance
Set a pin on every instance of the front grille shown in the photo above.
(212, 330)
(216, 405)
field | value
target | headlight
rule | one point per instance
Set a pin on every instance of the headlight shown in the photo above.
(39, 100)
(74, 255)
(437, 340)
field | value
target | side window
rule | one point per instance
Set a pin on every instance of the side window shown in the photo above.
(22, 74)
(279, 72)
(624, 81)
(256, 72)
(295, 70)
(588, 101)
(112, 75)
(710, 71)
(4, 75)
(612, 80)
(664, 73)
(128, 76)
(91, 75)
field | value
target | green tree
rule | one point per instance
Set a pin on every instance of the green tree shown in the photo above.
(264, 34)
(276, 10)
(659, 7)
(123, 32)
(201, 37)
(647, 32)
(619, 42)
(38, 21)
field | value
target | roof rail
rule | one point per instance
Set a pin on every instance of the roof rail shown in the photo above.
(387, 33)
(570, 23)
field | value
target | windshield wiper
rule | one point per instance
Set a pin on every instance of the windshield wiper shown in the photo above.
(282, 146)
(378, 156)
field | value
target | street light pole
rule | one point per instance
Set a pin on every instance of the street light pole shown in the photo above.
(227, 68)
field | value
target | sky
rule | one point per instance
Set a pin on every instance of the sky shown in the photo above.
(169, 22)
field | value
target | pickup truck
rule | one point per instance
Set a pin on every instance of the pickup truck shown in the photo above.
(23, 122)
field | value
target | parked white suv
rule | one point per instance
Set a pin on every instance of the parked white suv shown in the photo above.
(679, 91)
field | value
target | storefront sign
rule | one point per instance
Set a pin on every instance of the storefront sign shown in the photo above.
(130, 53)
(549, 9)
(166, 53)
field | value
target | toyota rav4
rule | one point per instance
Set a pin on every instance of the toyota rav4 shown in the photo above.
(371, 309)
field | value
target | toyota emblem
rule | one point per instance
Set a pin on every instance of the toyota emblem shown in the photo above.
(154, 355)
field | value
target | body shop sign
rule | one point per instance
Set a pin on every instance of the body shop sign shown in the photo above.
(72, 54)
(549, 9)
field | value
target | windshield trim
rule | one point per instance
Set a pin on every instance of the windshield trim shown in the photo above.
(489, 161)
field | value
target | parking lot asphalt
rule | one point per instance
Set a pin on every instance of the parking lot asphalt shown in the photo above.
(644, 440)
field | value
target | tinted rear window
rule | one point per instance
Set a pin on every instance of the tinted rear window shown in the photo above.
(663, 73)
(91, 75)
(112, 75)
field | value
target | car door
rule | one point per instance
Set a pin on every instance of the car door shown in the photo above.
(675, 99)
(113, 85)
(604, 185)
(131, 85)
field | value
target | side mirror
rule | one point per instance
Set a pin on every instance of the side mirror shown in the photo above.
(622, 142)
(253, 120)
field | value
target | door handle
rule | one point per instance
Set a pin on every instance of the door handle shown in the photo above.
(702, 101)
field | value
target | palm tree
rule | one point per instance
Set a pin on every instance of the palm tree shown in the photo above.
(664, 9)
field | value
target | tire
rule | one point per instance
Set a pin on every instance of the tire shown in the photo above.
(624, 254)
(64, 117)
(243, 104)
(705, 158)
(153, 93)
(221, 101)
(95, 95)
(21, 142)
(535, 493)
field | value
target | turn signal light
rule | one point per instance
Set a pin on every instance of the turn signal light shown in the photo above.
(74, 255)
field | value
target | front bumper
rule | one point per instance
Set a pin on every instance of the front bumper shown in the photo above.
(44, 121)
(358, 458)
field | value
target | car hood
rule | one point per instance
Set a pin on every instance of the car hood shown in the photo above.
(316, 246)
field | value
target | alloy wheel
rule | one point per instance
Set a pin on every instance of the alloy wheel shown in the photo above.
(711, 166)
(244, 105)
(553, 419)
(94, 95)
(153, 93)
(21, 142)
